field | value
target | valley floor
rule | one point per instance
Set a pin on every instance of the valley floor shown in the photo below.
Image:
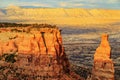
(81, 43)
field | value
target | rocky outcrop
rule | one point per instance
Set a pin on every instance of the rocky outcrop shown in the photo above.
(39, 54)
(103, 66)
(45, 41)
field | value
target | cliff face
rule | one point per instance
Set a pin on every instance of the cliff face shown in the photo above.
(44, 41)
(33, 53)
(39, 54)
(60, 16)
(103, 66)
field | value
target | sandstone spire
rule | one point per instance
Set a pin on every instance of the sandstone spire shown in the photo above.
(103, 51)
(103, 66)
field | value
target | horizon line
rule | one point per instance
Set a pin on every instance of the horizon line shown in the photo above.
(36, 7)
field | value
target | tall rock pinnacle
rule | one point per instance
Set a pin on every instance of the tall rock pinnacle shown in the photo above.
(103, 51)
(103, 66)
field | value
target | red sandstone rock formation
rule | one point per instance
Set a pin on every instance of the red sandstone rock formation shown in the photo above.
(45, 41)
(103, 51)
(40, 52)
(103, 66)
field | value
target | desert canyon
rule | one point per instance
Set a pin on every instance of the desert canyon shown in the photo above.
(75, 52)
(37, 53)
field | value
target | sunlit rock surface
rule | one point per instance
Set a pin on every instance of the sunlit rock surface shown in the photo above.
(37, 54)
(103, 66)
(60, 16)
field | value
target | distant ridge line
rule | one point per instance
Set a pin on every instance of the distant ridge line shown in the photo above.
(86, 43)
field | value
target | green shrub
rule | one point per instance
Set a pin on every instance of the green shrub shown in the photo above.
(9, 57)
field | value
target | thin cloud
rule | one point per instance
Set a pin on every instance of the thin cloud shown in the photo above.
(65, 4)
(113, 1)
(79, 4)
(113, 4)
(34, 4)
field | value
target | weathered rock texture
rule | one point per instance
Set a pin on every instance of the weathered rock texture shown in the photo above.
(39, 55)
(103, 66)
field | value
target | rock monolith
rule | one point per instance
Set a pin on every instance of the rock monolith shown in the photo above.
(103, 68)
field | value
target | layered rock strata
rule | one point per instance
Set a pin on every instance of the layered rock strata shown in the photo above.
(60, 16)
(39, 54)
(103, 66)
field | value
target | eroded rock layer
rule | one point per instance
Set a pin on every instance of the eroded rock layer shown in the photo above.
(33, 54)
(103, 66)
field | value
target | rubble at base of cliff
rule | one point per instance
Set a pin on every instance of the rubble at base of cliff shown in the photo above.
(32, 70)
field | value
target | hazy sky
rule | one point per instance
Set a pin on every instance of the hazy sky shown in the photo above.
(111, 4)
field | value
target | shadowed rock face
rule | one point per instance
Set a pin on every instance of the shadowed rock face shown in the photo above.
(103, 66)
(40, 54)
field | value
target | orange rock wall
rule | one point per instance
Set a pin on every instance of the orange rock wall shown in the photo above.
(40, 52)
(44, 41)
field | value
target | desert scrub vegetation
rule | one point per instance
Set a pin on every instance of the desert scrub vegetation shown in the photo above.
(6, 25)
(82, 71)
(16, 30)
(12, 57)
